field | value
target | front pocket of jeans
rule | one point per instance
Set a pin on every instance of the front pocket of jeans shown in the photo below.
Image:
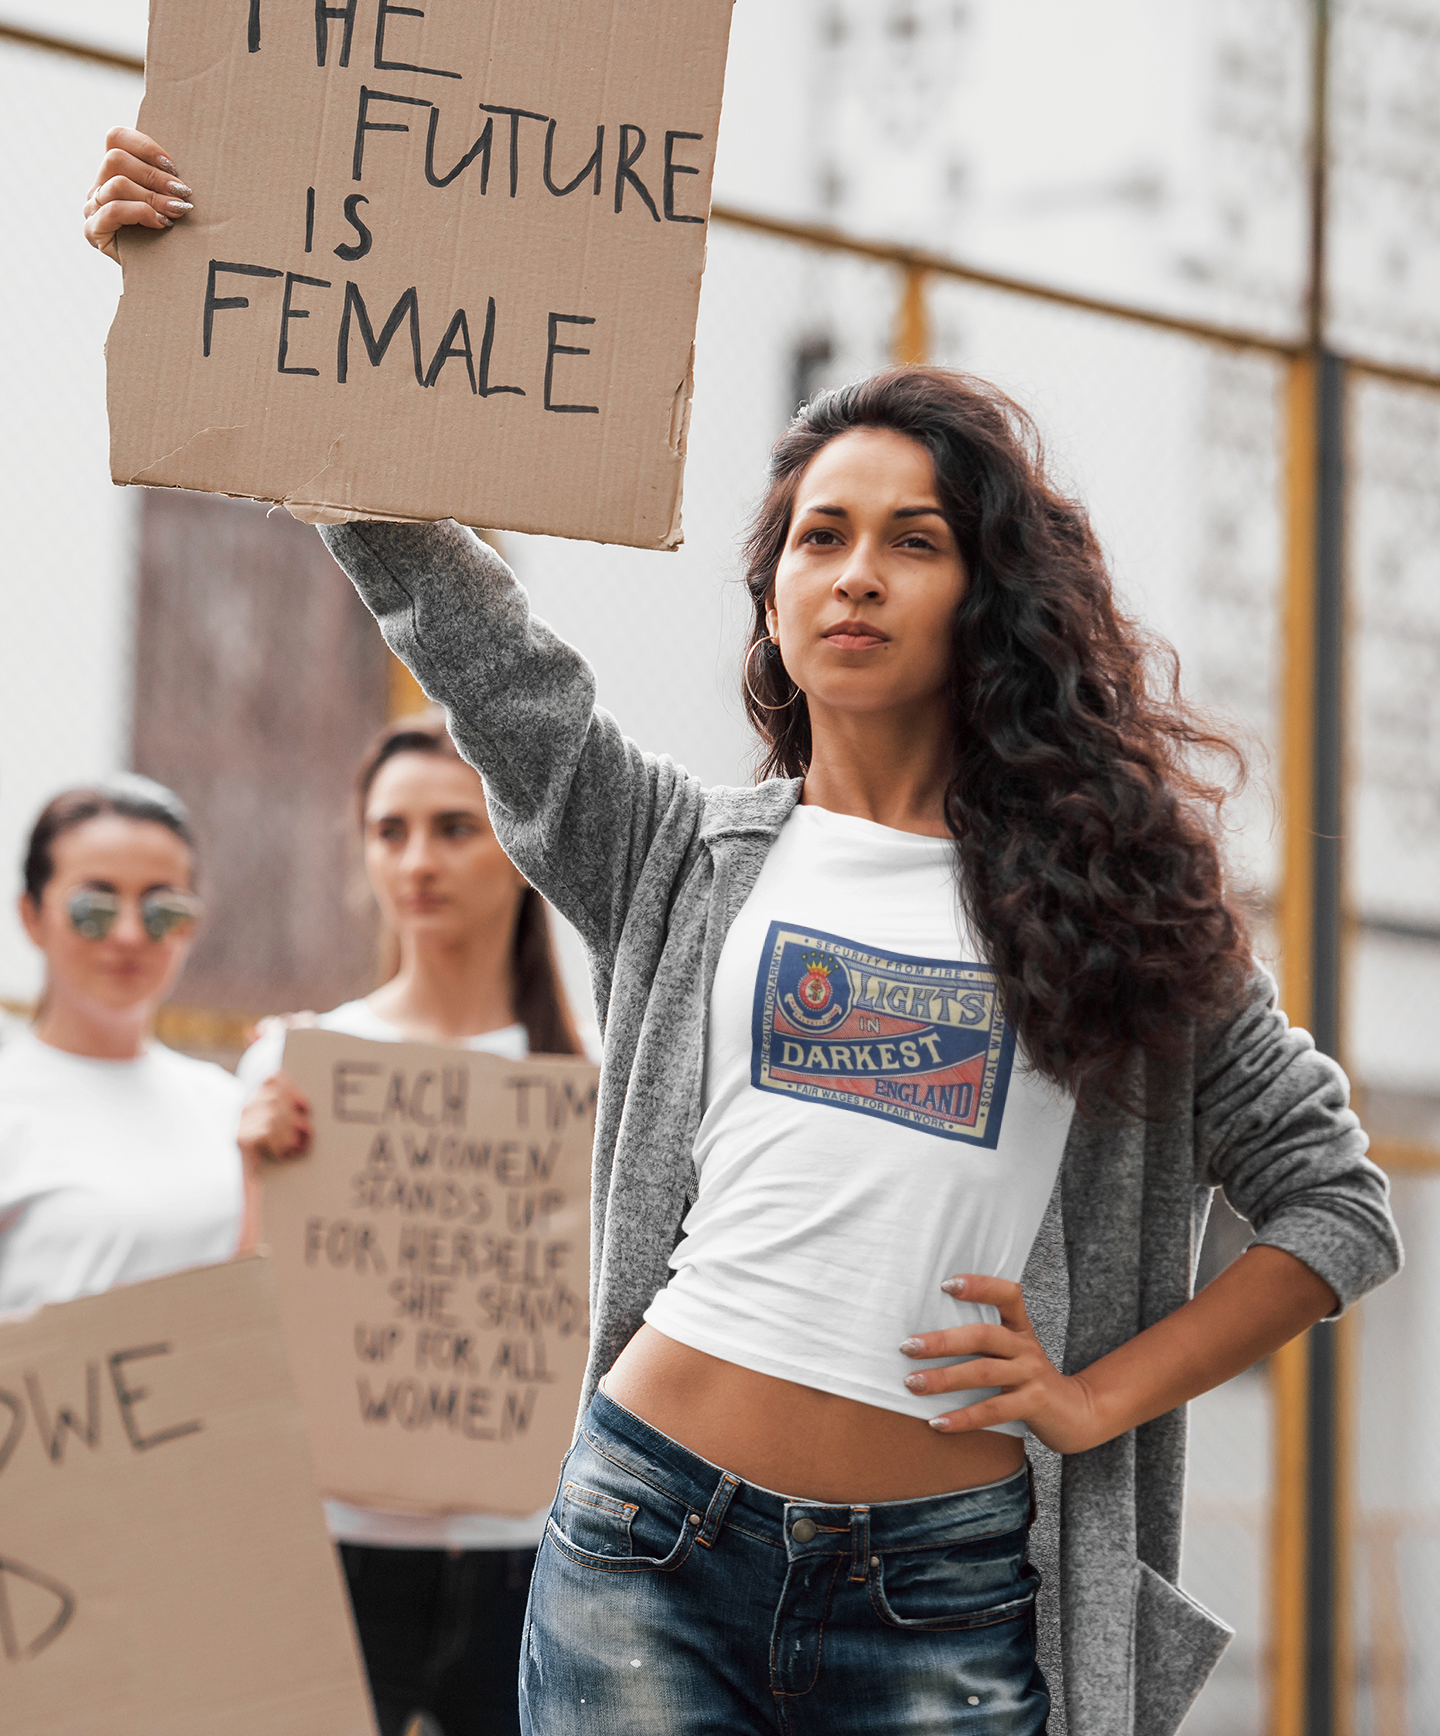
(960, 1586)
(595, 1522)
(607, 1518)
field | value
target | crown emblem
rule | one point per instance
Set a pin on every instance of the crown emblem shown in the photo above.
(814, 986)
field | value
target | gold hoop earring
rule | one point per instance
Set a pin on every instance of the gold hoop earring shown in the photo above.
(760, 704)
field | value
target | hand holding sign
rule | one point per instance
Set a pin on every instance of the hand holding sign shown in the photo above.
(137, 185)
(440, 261)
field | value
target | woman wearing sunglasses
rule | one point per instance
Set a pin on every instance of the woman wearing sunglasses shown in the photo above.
(439, 1601)
(118, 1157)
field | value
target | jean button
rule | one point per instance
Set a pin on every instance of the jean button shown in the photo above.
(803, 1530)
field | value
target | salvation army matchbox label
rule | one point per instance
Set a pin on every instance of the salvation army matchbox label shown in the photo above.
(922, 1041)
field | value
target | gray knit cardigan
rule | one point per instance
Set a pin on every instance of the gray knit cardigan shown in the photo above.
(651, 869)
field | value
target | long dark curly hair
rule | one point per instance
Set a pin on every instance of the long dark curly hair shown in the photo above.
(1082, 795)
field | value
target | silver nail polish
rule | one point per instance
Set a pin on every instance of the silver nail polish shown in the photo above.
(916, 1382)
(177, 207)
(165, 163)
(180, 189)
(911, 1347)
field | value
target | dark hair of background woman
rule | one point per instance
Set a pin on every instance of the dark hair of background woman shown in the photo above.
(1089, 841)
(539, 995)
(129, 796)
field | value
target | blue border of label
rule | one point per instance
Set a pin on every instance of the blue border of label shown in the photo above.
(955, 974)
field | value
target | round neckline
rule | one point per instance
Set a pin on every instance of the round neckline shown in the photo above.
(873, 830)
(455, 1043)
(88, 1060)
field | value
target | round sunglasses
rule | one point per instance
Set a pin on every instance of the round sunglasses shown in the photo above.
(94, 913)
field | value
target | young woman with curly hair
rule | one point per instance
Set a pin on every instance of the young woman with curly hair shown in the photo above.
(953, 1010)
(922, 1059)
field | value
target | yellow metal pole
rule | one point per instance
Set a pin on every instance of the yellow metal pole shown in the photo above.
(912, 321)
(1285, 1652)
(403, 693)
(1405, 1156)
(1289, 1368)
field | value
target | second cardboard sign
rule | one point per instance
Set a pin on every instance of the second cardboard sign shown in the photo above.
(432, 1260)
(164, 1567)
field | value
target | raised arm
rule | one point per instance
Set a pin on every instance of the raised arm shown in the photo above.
(576, 805)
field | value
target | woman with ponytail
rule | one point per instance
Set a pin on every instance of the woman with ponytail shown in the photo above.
(467, 960)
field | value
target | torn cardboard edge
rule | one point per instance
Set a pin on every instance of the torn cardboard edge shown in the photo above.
(320, 513)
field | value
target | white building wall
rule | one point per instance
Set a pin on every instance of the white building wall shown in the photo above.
(66, 555)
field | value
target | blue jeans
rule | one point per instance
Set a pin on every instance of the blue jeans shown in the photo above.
(672, 1599)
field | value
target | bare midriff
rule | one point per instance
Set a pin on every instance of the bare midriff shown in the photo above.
(794, 1439)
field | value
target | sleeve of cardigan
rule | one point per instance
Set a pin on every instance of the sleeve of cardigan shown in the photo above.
(1274, 1129)
(574, 802)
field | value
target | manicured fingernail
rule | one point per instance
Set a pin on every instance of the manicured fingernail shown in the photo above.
(177, 207)
(941, 1423)
(954, 1286)
(165, 222)
(912, 1347)
(166, 164)
(916, 1382)
(179, 189)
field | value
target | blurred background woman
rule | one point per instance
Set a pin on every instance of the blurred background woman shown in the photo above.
(118, 1157)
(439, 1601)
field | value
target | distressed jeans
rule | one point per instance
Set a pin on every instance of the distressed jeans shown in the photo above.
(672, 1599)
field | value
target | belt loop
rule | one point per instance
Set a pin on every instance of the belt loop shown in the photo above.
(859, 1543)
(715, 1512)
(1030, 1481)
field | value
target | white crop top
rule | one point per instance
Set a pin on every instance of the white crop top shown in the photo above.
(868, 1129)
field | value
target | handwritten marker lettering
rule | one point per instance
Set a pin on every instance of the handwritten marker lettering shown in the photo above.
(432, 1264)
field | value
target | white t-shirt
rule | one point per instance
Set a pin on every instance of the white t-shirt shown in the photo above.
(371, 1525)
(112, 1171)
(868, 1128)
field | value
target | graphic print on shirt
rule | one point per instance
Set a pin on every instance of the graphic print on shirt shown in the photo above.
(918, 1040)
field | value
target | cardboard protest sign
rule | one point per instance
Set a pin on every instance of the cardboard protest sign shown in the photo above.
(443, 261)
(431, 1256)
(164, 1567)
